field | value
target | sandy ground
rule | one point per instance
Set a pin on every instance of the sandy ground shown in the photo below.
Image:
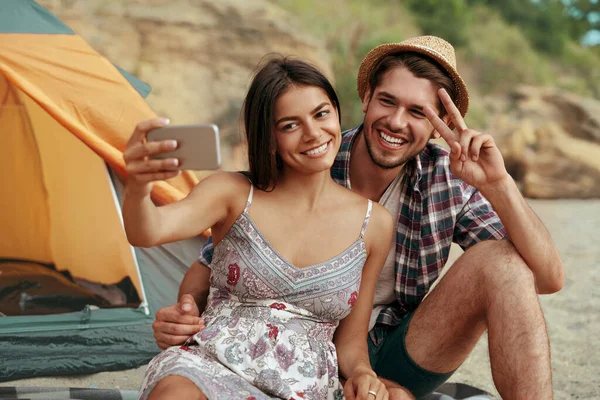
(573, 315)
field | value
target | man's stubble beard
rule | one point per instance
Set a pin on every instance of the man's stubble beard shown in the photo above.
(380, 163)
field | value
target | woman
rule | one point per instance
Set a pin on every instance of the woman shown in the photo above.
(292, 250)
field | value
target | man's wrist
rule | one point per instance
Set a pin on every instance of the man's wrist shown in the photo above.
(500, 188)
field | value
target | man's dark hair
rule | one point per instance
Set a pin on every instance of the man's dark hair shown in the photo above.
(421, 66)
(273, 79)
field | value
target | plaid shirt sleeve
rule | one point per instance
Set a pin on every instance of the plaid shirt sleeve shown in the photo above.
(206, 254)
(477, 221)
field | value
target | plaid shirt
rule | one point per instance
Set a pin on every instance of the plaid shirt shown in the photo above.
(436, 209)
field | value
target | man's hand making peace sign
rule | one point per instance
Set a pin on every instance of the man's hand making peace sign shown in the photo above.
(474, 156)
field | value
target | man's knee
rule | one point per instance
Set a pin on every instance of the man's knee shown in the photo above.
(500, 250)
(501, 266)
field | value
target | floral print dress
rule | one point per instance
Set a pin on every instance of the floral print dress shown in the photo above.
(269, 324)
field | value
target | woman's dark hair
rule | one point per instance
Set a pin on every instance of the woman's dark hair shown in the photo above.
(421, 66)
(272, 80)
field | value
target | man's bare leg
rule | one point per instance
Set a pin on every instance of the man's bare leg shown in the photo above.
(176, 388)
(489, 287)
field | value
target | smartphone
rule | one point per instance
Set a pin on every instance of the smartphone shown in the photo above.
(197, 145)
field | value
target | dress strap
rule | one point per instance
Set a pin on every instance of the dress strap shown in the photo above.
(367, 217)
(249, 201)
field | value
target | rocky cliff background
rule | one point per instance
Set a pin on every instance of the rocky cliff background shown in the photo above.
(550, 141)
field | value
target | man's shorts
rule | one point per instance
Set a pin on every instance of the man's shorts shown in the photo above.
(390, 360)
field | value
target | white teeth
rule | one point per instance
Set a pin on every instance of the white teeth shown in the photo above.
(316, 151)
(391, 140)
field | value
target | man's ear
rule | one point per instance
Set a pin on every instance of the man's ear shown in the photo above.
(448, 122)
(365, 100)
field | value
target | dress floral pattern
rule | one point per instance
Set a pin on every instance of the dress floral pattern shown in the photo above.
(269, 324)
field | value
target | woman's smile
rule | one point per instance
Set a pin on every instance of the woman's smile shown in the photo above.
(318, 151)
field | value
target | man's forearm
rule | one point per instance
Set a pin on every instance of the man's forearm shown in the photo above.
(528, 234)
(196, 282)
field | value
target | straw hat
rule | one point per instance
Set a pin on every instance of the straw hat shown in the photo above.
(432, 46)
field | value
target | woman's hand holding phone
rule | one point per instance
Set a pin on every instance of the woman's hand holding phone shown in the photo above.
(152, 154)
(140, 166)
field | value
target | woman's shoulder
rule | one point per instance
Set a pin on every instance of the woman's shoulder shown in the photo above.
(224, 183)
(380, 228)
(349, 197)
(382, 217)
(359, 200)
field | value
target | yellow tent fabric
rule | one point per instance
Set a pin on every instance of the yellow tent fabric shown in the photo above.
(86, 94)
(61, 208)
(61, 106)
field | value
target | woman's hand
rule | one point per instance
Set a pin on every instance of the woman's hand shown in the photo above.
(141, 169)
(365, 385)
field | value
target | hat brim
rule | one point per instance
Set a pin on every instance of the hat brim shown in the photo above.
(378, 53)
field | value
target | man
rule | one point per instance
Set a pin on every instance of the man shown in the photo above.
(412, 92)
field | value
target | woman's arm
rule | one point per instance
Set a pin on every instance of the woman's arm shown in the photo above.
(147, 225)
(351, 336)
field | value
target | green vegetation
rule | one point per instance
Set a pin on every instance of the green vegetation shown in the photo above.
(502, 57)
(499, 43)
(447, 18)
